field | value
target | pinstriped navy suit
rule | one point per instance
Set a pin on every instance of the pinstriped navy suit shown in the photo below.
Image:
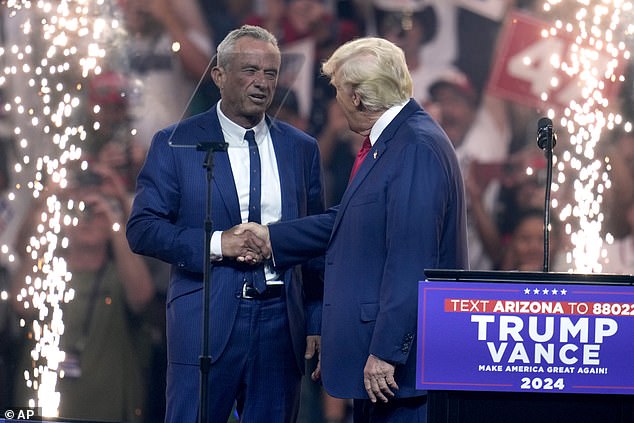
(167, 223)
(403, 212)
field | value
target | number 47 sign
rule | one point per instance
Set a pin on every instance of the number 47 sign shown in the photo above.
(527, 70)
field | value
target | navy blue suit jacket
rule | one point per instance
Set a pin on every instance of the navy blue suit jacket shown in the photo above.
(403, 212)
(167, 222)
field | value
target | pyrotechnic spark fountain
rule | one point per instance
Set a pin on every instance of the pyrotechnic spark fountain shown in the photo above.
(59, 44)
(595, 61)
(63, 42)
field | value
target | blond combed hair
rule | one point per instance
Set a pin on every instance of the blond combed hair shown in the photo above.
(375, 69)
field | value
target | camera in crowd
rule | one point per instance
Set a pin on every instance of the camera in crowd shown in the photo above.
(86, 178)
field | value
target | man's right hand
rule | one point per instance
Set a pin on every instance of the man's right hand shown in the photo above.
(248, 243)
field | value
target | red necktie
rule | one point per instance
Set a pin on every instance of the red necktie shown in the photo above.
(360, 156)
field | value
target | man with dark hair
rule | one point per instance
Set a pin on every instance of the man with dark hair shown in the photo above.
(262, 322)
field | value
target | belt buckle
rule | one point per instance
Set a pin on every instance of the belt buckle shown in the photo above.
(244, 292)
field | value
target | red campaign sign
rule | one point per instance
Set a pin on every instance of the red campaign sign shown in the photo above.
(523, 71)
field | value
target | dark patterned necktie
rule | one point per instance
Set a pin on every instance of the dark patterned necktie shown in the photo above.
(255, 196)
(255, 179)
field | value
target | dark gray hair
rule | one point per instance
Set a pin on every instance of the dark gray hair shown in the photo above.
(226, 46)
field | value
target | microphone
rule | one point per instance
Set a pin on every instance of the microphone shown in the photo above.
(545, 136)
(211, 146)
(546, 141)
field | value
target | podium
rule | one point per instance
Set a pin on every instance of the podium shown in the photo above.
(503, 407)
(481, 380)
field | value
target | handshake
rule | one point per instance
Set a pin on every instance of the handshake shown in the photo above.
(247, 243)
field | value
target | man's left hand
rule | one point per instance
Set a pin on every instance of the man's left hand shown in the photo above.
(378, 378)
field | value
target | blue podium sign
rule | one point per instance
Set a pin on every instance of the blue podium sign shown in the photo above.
(525, 337)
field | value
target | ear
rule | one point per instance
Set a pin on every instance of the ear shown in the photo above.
(356, 100)
(218, 76)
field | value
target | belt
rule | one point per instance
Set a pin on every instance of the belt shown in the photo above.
(272, 291)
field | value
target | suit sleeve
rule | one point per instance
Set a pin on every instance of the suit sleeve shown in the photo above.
(151, 229)
(304, 240)
(313, 269)
(298, 240)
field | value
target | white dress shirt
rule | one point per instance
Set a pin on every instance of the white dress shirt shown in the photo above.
(384, 120)
(238, 151)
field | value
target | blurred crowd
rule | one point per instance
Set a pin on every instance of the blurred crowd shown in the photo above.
(160, 75)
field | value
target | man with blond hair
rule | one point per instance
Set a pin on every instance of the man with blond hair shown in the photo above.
(403, 212)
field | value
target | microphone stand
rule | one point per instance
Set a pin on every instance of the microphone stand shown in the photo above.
(546, 140)
(205, 359)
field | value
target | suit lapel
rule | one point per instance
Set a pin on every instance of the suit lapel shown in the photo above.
(373, 157)
(223, 175)
(285, 158)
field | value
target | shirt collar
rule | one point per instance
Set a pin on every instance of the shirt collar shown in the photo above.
(235, 133)
(383, 121)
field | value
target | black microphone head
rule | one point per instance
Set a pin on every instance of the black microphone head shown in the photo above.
(544, 123)
(544, 132)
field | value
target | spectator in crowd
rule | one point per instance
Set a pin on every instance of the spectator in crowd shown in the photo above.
(108, 111)
(522, 188)
(480, 136)
(525, 247)
(111, 144)
(110, 140)
(521, 215)
(8, 349)
(6, 155)
(104, 373)
(319, 30)
(477, 126)
(9, 332)
(166, 57)
(222, 16)
(620, 252)
(620, 152)
(411, 25)
(293, 20)
(619, 204)
(187, 25)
